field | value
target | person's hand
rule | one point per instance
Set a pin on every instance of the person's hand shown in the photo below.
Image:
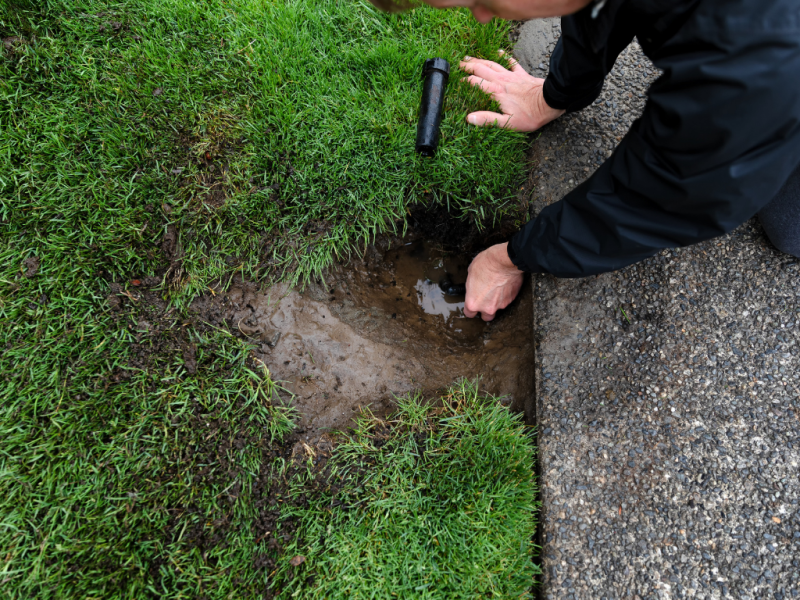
(492, 282)
(518, 94)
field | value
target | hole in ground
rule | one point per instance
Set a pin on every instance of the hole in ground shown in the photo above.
(380, 326)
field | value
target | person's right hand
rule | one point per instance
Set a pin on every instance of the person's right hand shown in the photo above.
(492, 282)
(518, 94)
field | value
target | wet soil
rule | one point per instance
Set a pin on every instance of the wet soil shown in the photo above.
(377, 328)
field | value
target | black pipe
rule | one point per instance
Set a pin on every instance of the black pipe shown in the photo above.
(435, 72)
(452, 289)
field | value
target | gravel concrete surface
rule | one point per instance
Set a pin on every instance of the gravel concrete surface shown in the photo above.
(668, 396)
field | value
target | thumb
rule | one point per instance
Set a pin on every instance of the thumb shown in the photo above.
(486, 117)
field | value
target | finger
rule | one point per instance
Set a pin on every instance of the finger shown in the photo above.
(487, 317)
(486, 86)
(484, 64)
(481, 13)
(512, 62)
(482, 118)
(449, 3)
(493, 65)
(471, 308)
(482, 68)
(483, 72)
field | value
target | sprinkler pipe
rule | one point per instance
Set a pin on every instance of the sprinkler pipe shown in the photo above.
(435, 73)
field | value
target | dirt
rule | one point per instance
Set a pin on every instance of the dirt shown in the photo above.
(14, 47)
(31, 266)
(10, 42)
(110, 26)
(204, 173)
(211, 182)
(171, 248)
(514, 31)
(377, 328)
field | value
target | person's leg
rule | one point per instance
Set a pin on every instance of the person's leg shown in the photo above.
(781, 217)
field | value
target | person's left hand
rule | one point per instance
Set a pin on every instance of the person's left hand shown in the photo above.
(519, 95)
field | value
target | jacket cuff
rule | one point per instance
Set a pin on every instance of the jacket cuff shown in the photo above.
(514, 254)
(571, 103)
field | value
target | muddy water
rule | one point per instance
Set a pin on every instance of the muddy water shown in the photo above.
(379, 327)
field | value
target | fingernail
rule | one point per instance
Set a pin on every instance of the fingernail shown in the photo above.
(472, 120)
(467, 58)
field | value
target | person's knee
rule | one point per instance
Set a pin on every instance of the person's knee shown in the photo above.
(781, 217)
(784, 242)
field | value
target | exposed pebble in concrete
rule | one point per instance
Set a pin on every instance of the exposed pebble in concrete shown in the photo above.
(668, 401)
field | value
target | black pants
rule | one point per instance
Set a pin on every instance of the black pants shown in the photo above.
(781, 217)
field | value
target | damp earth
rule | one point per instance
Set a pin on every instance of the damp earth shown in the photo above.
(378, 327)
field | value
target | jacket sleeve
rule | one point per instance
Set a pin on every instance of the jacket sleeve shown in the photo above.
(719, 136)
(585, 54)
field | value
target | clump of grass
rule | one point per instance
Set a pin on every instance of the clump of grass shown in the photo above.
(441, 504)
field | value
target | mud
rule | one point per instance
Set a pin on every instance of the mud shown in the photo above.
(377, 328)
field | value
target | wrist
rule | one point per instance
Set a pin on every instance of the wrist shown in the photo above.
(501, 261)
(543, 108)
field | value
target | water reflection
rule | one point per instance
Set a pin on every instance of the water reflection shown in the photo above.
(433, 301)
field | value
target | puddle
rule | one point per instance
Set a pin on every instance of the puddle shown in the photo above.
(379, 327)
(405, 277)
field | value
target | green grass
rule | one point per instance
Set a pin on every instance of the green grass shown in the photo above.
(130, 477)
(441, 505)
(309, 107)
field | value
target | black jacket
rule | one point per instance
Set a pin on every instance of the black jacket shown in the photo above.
(719, 135)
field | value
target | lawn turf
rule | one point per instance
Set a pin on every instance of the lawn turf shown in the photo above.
(437, 503)
(180, 143)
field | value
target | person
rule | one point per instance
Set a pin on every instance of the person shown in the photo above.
(718, 141)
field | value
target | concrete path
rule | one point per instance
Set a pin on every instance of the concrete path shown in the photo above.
(668, 396)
